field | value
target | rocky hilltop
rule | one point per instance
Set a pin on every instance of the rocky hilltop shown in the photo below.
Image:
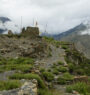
(34, 65)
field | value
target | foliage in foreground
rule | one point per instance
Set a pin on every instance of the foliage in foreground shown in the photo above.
(8, 85)
(47, 92)
(22, 64)
(80, 87)
(29, 76)
(48, 76)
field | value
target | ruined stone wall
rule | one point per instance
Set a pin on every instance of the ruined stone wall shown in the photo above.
(30, 31)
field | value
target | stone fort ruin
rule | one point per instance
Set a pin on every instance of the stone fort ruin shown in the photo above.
(30, 31)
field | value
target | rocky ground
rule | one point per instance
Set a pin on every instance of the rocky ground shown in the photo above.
(28, 88)
(46, 54)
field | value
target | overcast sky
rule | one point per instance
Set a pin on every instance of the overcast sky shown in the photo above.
(59, 15)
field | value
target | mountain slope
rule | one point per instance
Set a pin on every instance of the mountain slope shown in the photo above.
(80, 35)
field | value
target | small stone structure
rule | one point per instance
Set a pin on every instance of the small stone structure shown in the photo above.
(30, 31)
(10, 32)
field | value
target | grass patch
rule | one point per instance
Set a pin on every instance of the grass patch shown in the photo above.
(48, 76)
(80, 87)
(60, 63)
(29, 76)
(8, 85)
(62, 69)
(19, 67)
(65, 78)
(48, 92)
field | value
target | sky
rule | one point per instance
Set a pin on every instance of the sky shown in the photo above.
(54, 16)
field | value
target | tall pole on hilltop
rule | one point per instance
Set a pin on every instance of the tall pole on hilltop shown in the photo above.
(45, 28)
(21, 23)
(33, 22)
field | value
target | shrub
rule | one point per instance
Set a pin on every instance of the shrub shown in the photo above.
(29, 76)
(60, 63)
(8, 85)
(68, 77)
(64, 46)
(20, 60)
(48, 76)
(65, 78)
(61, 81)
(42, 70)
(80, 71)
(82, 88)
(71, 67)
(22, 67)
(62, 69)
(55, 71)
(49, 54)
(48, 92)
(49, 70)
(44, 92)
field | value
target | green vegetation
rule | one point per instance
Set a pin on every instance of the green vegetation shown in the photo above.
(55, 71)
(65, 78)
(68, 77)
(60, 63)
(82, 88)
(8, 85)
(48, 76)
(42, 70)
(62, 69)
(22, 64)
(61, 81)
(48, 92)
(64, 46)
(29, 76)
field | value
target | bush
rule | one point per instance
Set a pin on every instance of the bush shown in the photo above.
(80, 87)
(71, 67)
(65, 78)
(62, 69)
(64, 46)
(8, 85)
(21, 60)
(44, 92)
(48, 92)
(68, 77)
(29, 76)
(55, 71)
(80, 71)
(21, 67)
(42, 70)
(61, 81)
(48, 76)
(60, 63)
(49, 70)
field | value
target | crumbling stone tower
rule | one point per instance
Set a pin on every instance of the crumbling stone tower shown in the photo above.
(30, 31)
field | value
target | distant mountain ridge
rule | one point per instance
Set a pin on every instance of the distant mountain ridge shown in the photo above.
(4, 19)
(7, 24)
(80, 35)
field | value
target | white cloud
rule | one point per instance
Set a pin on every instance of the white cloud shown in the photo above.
(59, 15)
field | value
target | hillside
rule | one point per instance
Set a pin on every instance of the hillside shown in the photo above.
(80, 36)
(34, 65)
